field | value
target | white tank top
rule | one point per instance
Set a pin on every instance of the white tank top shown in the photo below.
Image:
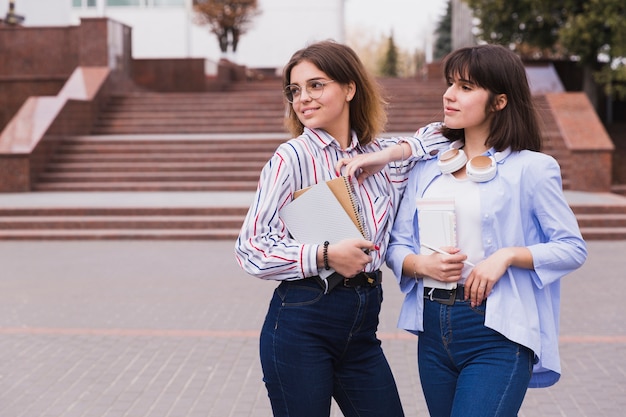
(466, 194)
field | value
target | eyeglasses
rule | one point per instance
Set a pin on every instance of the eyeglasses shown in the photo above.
(314, 88)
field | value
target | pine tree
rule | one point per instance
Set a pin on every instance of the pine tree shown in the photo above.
(389, 66)
(443, 45)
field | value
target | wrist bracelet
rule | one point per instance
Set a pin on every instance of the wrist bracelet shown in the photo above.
(325, 255)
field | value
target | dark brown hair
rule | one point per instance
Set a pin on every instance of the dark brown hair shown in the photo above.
(367, 108)
(499, 71)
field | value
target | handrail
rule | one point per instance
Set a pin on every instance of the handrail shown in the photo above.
(28, 127)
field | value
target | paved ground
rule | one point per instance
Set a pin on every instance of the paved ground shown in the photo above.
(151, 329)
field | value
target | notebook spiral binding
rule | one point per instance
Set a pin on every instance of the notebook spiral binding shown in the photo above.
(356, 207)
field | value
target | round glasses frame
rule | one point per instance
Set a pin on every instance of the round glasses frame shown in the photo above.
(314, 89)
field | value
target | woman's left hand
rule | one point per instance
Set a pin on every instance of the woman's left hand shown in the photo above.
(483, 277)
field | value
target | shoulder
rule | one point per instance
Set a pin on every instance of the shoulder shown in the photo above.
(294, 146)
(532, 159)
(532, 168)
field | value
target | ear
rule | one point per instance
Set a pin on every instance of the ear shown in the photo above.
(350, 90)
(500, 102)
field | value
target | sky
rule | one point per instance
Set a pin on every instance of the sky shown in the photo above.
(412, 21)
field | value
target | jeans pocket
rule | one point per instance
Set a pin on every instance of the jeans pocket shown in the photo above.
(294, 295)
(480, 309)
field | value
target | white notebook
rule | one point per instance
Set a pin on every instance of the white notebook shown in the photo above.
(437, 227)
(316, 216)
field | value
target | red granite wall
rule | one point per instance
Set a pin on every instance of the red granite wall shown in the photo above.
(38, 60)
(186, 74)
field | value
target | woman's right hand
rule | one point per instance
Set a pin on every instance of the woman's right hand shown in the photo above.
(364, 165)
(350, 256)
(442, 267)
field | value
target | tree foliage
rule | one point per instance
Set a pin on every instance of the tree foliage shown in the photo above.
(389, 64)
(227, 19)
(597, 36)
(592, 31)
(443, 44)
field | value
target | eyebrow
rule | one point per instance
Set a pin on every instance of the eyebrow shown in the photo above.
(310, 79)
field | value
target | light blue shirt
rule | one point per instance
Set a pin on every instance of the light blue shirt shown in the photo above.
(524, 206)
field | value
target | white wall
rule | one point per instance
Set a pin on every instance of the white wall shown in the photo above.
(40, 12)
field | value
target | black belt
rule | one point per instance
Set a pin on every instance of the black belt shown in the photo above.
(369, 279)
(447, 297)
(366, 279)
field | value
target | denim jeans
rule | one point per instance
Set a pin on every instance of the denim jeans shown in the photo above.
(467, 369)
(315, 346)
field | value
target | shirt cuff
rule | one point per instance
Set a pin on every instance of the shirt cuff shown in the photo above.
(309, 260)
(427, 142)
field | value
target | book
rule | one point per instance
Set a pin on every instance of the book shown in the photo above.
(327, 211)
(343, 190)
(436, 220)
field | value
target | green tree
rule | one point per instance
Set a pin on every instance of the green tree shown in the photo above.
(227, 19)
(529, 26)
(389, 64)
(443, 44)
(590, 31)
(597, 36)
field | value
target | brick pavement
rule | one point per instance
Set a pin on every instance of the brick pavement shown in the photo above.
(153, 328)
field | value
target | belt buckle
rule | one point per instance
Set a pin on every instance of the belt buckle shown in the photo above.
(369, 278)
(446, 301)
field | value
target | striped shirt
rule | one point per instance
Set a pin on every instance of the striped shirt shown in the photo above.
(264, 247)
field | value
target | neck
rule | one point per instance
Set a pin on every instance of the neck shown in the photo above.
(475, 143)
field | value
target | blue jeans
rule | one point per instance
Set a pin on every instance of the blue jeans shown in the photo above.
(315, 346)
(467, 369)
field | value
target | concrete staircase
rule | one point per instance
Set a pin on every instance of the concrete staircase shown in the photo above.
(148, 148)
(174, 162)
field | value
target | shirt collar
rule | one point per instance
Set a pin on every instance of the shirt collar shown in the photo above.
(324, 139)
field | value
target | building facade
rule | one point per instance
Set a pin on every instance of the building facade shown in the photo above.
(166, 28)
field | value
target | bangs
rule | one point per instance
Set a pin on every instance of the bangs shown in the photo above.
(465, 65)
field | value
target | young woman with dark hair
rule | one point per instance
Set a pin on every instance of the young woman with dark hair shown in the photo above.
(482, 343)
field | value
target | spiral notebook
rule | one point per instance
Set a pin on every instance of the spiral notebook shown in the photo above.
(324, 211)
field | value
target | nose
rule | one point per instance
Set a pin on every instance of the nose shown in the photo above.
(447, 95)
(302, 94)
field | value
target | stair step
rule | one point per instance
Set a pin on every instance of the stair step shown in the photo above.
(120, 234)
(603, 233)
(124, 211)
(601, 220)
(598, 209)
(147, 186)
(148, 128)
(138, 177)
(120, 222)
(131, 166)
(164, 157)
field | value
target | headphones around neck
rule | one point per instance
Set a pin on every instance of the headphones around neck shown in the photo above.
(480, 168)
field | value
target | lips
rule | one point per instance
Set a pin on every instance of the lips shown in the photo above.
(308, 111)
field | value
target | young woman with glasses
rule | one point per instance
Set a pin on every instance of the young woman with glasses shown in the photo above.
(315, 344)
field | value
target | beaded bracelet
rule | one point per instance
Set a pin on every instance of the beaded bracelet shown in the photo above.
(325, 254)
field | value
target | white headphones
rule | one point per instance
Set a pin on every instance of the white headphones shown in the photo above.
(480, 168)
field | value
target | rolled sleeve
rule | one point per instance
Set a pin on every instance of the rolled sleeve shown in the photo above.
(427, 142)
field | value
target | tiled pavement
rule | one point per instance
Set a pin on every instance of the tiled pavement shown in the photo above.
(153, 328)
